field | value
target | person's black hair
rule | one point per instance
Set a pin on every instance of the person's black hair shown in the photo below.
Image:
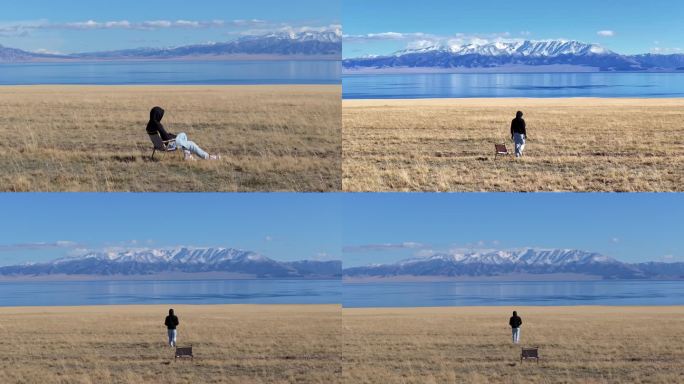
(171, 312)
(519, 114)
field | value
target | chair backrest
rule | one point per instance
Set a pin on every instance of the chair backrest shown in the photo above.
(184, 352)
(501, 148)
(157, 141)
(530, 353)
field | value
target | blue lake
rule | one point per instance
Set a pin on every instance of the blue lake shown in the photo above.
(173, 73)
(171, 292)
(541, 85)
(349, 294)
(445, 294)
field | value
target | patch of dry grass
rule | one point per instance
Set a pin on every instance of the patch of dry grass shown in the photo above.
(575, 145)
(92, 138)
(473, 345)
(127, 344)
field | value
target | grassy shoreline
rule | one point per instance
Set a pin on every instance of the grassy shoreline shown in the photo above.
(92, 138)
(127, 344)
(583, 344)
(579, 145)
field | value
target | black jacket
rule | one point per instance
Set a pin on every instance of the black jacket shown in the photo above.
(518, 126)
(155, 125)
(171, 321)
(515, 322)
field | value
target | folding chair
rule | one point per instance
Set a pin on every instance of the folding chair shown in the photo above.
(501, 150)
(161, 145)
(529, 353)
(184, 353)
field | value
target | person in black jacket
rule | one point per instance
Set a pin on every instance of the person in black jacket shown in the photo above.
(155, 126)
(171, 323)
(519, 133)
(515, 322)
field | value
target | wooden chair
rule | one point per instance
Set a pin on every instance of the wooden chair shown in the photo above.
(161, 145)
(184, 353)
(529, 353)
(501, 150)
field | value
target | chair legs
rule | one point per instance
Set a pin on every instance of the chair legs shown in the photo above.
(154, 151)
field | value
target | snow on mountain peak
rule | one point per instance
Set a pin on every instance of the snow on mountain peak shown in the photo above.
(536, 48)
(331, 36)
(182, 255)
(528, 256)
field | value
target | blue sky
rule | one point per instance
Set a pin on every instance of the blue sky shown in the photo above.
(86, 25)
(360, 229)
(627, 26)
(384, 228)
(41, 227)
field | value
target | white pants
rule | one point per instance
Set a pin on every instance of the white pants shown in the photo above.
(172, 337)
(519, 140)
(516, 335)
(182, 140)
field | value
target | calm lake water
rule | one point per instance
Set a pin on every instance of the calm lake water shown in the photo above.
(173, 73)
(334, 292)
(547, 85)
(444, 294)
(171, 292)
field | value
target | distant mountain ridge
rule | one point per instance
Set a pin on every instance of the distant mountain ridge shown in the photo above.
(518, 53)
(490, 263)
(17, 55)
(178, 260)
(274, 44)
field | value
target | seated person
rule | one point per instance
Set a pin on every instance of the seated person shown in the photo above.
(155, 126)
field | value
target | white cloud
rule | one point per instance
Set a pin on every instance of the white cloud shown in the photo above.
(241, 22)
(397, 36)
(14, 29)
(37, 246)
(615, 240)
(417, 40)
(118, 24)
(606, 33)
(90, 24)
(188, 23)
(156, 24)
(19, 28)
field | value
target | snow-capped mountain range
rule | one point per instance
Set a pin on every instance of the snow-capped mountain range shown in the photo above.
(548, 48)
(327, 43)
(512, 54)
(178, 260)
(474, 263)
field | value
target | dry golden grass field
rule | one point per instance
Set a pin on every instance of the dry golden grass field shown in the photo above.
(127, 344)
(92, 138)
(575, 145)
(473, 345)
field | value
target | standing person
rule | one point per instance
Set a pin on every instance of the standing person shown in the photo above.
(519, 133)
(171, 323)
(189, 147)
(515, 322)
